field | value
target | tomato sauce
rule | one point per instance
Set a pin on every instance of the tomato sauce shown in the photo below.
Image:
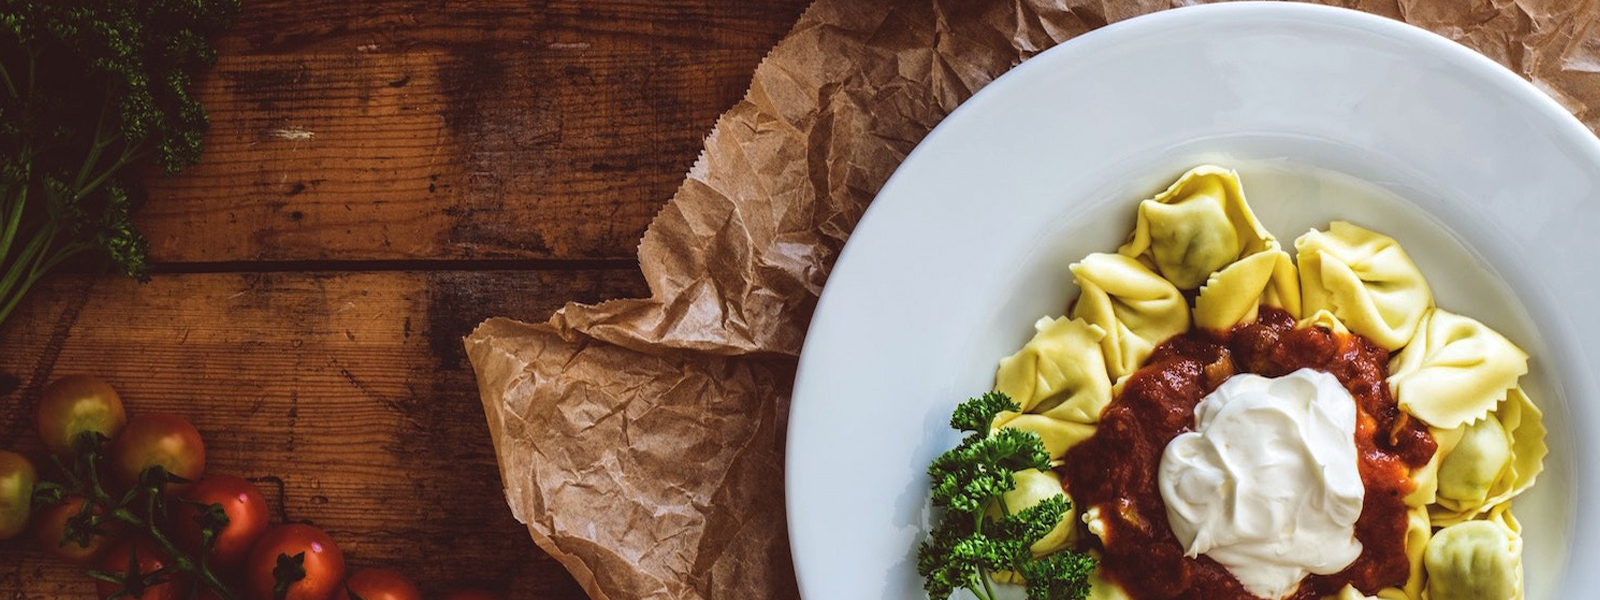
(1116, 468)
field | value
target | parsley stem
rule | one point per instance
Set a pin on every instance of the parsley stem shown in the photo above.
(985, 593)
(5, 74)
(97, 144)
(983, 574)
(13, 221)
(39, 272)
(13, 286)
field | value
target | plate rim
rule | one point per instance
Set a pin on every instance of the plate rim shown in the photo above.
(1567, 125)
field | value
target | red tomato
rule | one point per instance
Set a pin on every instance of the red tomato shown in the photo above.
(16, 493)
(157, 439)
(472, 595)
(151, 559)
(247, 518)
(381, 584)
(74, 405)
(323, 563)
(51, 529)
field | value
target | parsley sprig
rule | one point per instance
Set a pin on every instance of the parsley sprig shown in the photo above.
(970, 543)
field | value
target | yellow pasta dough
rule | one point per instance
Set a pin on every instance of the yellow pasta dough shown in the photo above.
(1478, 460)
(1234, 294)
(1200, 237)
(1058, 435)
(1060, 372)
(1454, 370)
(1365, 279)
(1495, 460)
(1325, 320)
(1419, 530)
(1033, 487)
(1350, 593)
(1198, 225)
(1135, 306)
(1427, 477)
(1475, 560)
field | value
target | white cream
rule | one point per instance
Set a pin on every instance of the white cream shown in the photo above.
(1267, 483)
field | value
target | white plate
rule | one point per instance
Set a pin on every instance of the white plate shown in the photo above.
(1328, 113)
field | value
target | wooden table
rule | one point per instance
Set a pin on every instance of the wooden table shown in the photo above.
(381, 176)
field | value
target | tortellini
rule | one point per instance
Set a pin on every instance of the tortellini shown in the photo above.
(1325, 320)
(1494, 460)
(1454, 370)
(1033, 487)
(1060, 372)
(1475, 560)
(1365, 279)
(1483, 453)
(1350, 593)
(1419, 529)
(1200, 241)
(1198, 225)
(1058, 435)
(1136, 308)
(1427, 477)
(1234, 294)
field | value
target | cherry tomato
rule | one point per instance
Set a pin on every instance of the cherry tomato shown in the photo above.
(156, 439)
(472, 595)
(16, 493)
(74, 405)
(380, 584)
(151, 559)
(51, 528)
(323, 563)
(247, 518)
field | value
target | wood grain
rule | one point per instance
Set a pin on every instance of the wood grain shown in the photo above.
(352, 389)
(436, 130)
(380, 176)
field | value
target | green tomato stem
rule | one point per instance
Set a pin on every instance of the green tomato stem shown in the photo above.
(216, 585)
(181, 561)
(104, 576)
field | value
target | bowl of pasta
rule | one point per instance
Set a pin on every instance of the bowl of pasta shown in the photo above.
(1227, 302)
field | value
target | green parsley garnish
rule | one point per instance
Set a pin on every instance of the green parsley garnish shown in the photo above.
(969, 543)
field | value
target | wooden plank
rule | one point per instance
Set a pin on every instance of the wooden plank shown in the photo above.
(423, 129)
(353, 389)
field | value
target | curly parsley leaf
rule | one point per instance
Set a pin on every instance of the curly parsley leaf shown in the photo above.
(1060, 576)
(92, 92)
(969, 544)
(977, 414)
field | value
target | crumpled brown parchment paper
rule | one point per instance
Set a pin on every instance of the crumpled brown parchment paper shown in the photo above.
(642, 440)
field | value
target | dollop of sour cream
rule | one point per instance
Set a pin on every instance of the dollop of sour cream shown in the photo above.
(1267, 483)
